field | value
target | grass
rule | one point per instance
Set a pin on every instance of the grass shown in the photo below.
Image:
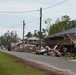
(68, 58)
(9, 66)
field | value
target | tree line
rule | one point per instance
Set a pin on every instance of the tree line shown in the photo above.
(8, 38)
(60, 24)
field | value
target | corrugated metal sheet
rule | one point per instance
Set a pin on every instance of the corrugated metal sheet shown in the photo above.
(62, 33)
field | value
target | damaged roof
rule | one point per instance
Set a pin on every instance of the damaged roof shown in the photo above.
(72, 30)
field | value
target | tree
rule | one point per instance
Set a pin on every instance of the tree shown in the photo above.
(65, 18)
(73, 23)
(29, 34)
(8, 38)
(35, 33)
(48, 22)
(60, 25)
(44, 33)
(65, 21)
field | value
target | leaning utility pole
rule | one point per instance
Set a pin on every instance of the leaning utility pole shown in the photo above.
(23, 33)
(40, 26)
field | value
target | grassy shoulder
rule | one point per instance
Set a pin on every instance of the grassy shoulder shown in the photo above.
(68, 58)
(9, 66)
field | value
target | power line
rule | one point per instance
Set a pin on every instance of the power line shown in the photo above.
(10, 26)
(34, 10)
(54, 5)
(15, 25)
(32, 20)
(20, 24)
(18, 12)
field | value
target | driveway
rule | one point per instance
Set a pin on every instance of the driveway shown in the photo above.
(55, 63)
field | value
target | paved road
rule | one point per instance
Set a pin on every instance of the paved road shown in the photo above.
(46, 60)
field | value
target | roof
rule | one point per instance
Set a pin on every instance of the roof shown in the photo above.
(72, 30)
(33, 38)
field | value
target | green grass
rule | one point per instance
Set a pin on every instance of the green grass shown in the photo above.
(68, 58)
(9, 66)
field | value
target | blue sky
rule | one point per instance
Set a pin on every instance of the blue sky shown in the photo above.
(13, 21)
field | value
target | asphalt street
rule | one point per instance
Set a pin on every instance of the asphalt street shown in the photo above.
(47, 60)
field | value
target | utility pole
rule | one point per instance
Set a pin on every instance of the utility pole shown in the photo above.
(40, 25)
(23, 33)
(15, 37)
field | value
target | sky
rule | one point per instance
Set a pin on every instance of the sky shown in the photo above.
(13, 12)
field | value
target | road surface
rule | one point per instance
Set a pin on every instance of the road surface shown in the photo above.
(47, 60)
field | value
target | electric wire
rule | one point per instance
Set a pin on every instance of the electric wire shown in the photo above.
(55, 5)
(18, 12)
(30, 11)
(10, 26)
(36, 9)
(33, 20)
(19, 24)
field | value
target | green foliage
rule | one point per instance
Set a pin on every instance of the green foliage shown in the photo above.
(29, 34)
(37, 34)
(42, 35)
(11, 66)
(8, 38)
(48, 22)
(61, 24)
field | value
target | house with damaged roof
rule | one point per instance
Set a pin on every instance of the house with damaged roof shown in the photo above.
(65, 38)
(30, 44)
